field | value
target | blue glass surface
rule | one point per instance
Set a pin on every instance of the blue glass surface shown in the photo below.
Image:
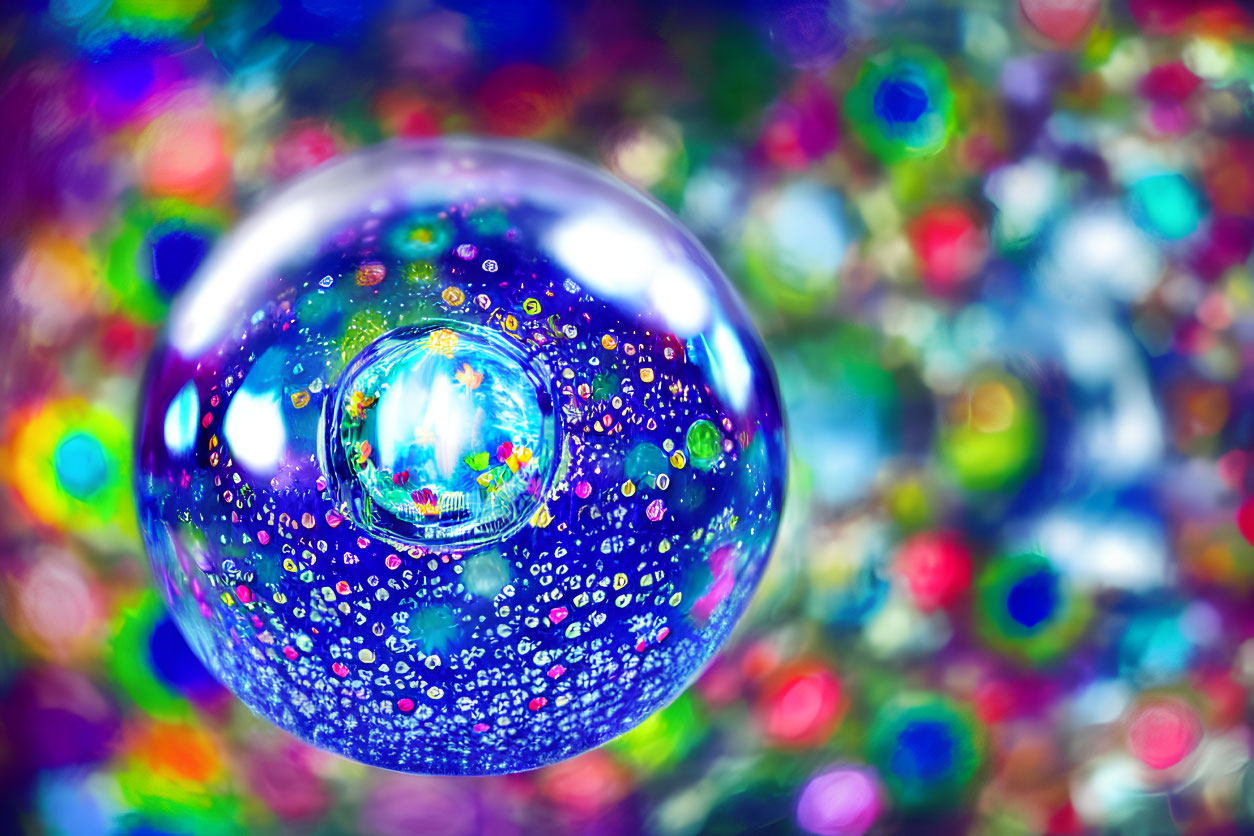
(484, 463)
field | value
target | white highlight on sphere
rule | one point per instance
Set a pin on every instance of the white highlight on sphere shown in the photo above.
(254, 429)
(182, 420)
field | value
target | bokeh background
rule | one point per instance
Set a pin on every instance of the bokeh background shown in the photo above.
(1000, 252)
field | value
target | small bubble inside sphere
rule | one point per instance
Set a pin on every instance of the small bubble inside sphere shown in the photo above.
(458, 457)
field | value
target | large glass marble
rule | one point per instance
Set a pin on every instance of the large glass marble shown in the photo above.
(458, 457)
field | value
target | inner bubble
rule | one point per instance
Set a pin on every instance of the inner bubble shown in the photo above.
(441, 435)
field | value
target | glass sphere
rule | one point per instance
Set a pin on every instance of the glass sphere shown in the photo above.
(458, 457)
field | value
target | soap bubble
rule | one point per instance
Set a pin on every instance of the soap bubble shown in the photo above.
(458, 457)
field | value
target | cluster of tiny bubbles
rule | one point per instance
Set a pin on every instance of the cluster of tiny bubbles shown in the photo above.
(458, 457)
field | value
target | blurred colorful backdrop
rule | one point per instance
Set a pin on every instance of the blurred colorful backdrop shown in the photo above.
(1000, 252)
